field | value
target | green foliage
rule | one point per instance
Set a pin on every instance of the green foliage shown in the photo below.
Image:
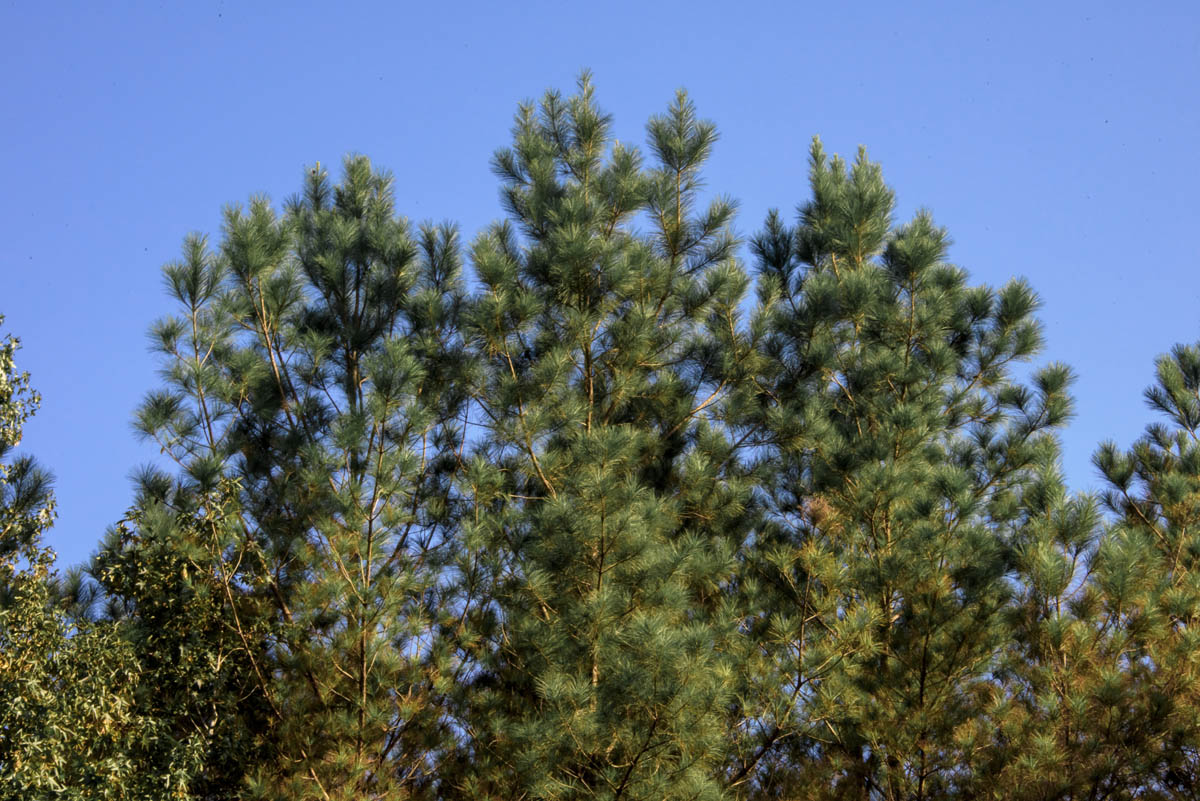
(602, 520)
(71, 726)
(26, 506)
(898, 446)
(1142, 604)
(597, 524)
(200, 648)
(316, 365)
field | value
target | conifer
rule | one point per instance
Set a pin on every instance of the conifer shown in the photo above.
(597, 483)
(315, 363)
(594, 525)
(900, 445)
(1111, 684)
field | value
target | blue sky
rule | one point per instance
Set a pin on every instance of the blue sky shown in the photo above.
(1055, 141)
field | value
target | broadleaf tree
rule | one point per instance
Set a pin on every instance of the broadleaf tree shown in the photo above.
(71, 722)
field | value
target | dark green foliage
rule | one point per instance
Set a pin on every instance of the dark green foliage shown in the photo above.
(607, 534)
(595, 524)
(899, 447)
(317, 365)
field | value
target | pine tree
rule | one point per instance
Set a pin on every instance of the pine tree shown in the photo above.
(316, 364)
(1149, 573)
(598, 529)
(1054, 538)
(600, 515)
(1109, 620)
(900, 445)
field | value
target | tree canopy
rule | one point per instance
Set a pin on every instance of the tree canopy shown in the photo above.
(606, 503)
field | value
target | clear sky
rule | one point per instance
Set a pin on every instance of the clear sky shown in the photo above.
(1055, 140)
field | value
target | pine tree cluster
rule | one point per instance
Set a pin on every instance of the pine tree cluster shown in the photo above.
(587, 509)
